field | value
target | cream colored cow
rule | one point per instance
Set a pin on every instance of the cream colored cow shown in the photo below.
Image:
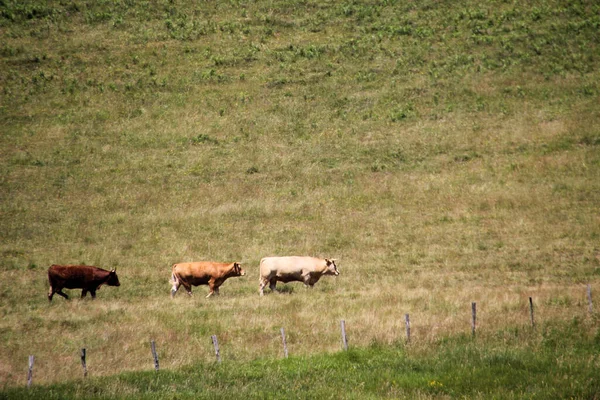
(288, 269)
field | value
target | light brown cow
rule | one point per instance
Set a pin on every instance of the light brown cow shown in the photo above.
(208, 273)
(287, 269)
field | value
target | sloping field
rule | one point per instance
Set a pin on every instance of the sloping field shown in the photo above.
(444, 152)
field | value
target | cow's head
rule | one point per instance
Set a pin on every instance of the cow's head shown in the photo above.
(238, 270)
(113, 279)
(331, 267)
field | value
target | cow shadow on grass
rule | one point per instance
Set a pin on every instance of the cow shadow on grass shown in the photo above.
(285, 289)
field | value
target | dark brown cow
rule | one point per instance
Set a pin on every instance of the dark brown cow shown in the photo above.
(84, 277)
(208, 273)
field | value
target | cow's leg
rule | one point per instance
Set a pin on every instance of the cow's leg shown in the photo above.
(213, 286)
(83, 293)
(187, 287)
(54, 290)
(273, 284)
(175, 288)
(261, 285)
(306, 280)
(93, 293)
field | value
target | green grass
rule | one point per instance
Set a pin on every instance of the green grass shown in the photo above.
(444, 153)
(528, 365)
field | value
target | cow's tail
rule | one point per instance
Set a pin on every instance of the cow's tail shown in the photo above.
(173, 276)
(262, 281)
(174, 281)
(260, 270)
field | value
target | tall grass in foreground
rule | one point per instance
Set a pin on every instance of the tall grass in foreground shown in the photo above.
(556, 361)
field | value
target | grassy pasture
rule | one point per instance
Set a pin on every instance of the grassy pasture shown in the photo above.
(443, 153)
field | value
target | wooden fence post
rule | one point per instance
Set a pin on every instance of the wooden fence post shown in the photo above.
(83, 363)
(407, 321)
(589, 296)
(344, 338)
(474, 317)
(154, 354)
(30, 372)
(531, 312)
(216, 345)
(285, 350)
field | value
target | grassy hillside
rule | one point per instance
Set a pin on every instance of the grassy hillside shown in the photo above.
(444, 153)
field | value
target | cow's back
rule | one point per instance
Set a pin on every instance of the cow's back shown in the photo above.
(70, 276)
(287, 265)
(199, 272)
